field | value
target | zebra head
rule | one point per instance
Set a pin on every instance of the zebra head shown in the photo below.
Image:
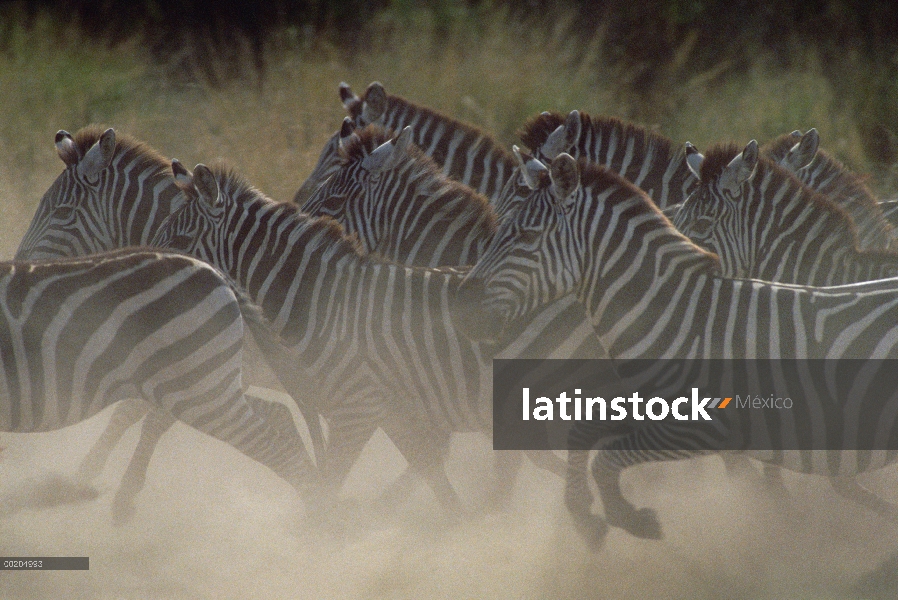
(529, 262)
(525, 178)
(113, 193)
(371, 164)
(370, 108)
(63, 210)
(794, 151)
(329, 162)
(194, 228)
(718, 215)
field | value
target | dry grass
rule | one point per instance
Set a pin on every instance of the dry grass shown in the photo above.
(489, 71)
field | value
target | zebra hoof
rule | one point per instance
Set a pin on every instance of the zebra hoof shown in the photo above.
(642, 523)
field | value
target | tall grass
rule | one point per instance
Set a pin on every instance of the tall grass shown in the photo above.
(480, 66)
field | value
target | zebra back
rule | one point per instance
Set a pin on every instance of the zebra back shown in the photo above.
(819, 170)
(114, 192)
(647, 159)
(765, 224)
(463, 151)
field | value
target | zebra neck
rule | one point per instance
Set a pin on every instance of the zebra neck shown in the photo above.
(648, 160)
(639, 314)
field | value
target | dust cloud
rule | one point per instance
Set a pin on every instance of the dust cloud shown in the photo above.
(211, 523)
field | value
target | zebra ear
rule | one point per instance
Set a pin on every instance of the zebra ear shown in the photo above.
(565, 177)
(403, 142)
(564, 137)
(530, 168)
(206, 185)
(375, 104)
(98, 157)
(65, 147)
(741, 168)
(694, 160)
(802, 153)
(347, 130)
(182, 174)
(380, 158)
(346, 95)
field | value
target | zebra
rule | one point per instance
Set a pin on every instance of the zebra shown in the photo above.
(651, 161)
(651, 293)
(114, 192)
(359, 324)
(765, 224)
(464, 152)
(78, 335)
(399, 204)
(394, 197)
(800, 153)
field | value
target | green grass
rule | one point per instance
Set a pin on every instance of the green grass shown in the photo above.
(480, 67)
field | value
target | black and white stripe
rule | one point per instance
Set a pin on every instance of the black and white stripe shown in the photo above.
(78, 335)
(765, 224)
(651, 293)
(464, 152)
(647, 159)
(114, 192)
(820, 171)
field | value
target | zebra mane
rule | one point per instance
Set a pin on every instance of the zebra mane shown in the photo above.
(364, 141)
(537, 130)
(235, 188)
(86, 137)
(720, 155)
(407, 108)
(426, 170)
(597, 176)
(841, 180)
(777, 148)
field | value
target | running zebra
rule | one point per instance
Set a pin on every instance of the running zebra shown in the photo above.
(765, 224)
(801, 154)
(78, 335)
(465, 153)
(360, 326)
(647, 159)
(401, 207)
(651, 293)
(375, 337)
(114, 192)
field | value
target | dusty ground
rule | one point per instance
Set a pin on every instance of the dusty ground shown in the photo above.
(212, 524)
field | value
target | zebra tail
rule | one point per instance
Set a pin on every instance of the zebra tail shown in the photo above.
(278, 358)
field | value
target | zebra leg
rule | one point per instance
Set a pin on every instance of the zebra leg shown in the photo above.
(508, 465)
(547, 461)
(426, 452)
(125, 414)
(848, 487)
(225, 414)
(739, 466)
(157, 422)
(578, 499)
(606, 469)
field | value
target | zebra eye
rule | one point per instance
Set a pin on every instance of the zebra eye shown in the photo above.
(63, 213)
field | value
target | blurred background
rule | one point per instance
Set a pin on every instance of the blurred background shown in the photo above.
(256, 83)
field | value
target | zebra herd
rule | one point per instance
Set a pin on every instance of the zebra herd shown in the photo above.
(418, 250)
